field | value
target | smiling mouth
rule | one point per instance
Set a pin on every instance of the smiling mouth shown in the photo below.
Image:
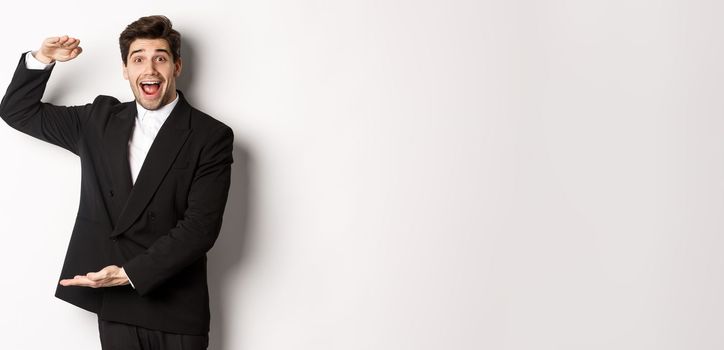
(150, 88)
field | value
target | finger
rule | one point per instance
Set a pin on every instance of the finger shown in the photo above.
(75, 52)
(51, 40)
(71, 43)
(77, 281)
(61, 41)
(98, 276)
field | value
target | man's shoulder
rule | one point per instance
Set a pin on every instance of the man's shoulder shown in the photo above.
(105, 104)
(108, 101)
(104, 107)
(203, 121)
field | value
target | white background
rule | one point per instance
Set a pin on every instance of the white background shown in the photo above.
(423, 175)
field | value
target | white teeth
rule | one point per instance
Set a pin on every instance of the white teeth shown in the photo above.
(150, 82)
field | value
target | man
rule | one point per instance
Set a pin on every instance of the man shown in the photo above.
(155, 179)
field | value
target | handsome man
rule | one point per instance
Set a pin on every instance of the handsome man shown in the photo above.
(155, 179)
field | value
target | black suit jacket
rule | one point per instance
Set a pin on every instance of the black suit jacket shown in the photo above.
(159, 229)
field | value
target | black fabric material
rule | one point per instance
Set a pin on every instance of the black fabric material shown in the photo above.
(159, 229)
(120, 336)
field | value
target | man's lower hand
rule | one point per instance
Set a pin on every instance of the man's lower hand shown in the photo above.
(109, 276)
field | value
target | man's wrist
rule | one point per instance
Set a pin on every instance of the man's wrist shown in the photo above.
(33, 63)
(42, 58)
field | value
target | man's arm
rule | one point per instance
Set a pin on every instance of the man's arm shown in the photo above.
(196, 233)
(22, 109)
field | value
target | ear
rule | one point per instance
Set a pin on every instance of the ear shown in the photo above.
(177, 67)
(125, 71)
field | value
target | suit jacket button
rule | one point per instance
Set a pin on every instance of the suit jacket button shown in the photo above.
(111, 193)
(152, 216)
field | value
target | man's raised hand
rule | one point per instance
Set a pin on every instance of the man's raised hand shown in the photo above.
(58, 48)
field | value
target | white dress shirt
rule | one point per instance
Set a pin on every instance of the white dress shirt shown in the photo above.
(146, 127)
(148, 123)
(32, 63)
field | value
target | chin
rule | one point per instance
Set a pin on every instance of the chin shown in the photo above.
(149, 105)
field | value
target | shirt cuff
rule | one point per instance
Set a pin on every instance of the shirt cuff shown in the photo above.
(33, 63)
(129, 278)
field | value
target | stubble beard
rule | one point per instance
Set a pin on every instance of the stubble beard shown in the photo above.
(150, 105)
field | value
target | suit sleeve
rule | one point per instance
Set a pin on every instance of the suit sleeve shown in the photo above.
(196, 233)
(22, 109)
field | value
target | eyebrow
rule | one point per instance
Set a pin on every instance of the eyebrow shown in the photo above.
(141, 50)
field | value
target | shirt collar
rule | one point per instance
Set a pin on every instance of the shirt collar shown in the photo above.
(162, 112)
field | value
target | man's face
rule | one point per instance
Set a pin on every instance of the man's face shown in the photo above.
(152, 72)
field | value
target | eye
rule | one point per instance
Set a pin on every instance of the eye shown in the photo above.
(161, 59)
(137, 59)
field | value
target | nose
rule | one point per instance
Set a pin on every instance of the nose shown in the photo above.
(149, 67)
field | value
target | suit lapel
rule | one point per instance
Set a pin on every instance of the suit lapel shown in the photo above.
(115, 142)
(163, 152)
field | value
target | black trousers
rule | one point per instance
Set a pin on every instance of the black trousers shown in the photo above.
(120, 336)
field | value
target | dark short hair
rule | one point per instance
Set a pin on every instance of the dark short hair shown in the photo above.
(150, 27)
